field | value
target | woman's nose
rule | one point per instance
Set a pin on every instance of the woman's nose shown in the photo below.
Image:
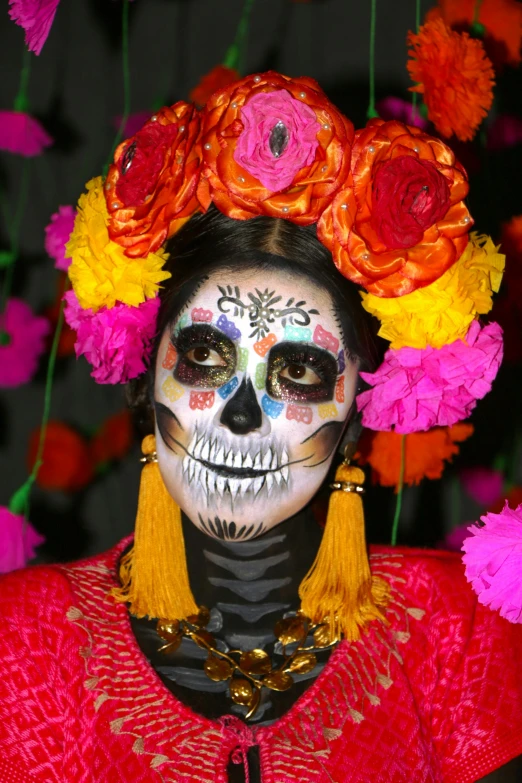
(242, 413)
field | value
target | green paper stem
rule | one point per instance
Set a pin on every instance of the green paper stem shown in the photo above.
(476, 12)
(13, 225)
(126, 82)
(235, 55)
(19, 503)
(400, 487)
(21, 102)
(414, 94)
(372, 111)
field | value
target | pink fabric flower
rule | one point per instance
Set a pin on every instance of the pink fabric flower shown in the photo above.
(115, 342)
(57, 233)
(289, 125)
(392, 108)
(22, 134)
(36, 17)
(135, 123)
(493, 560)
(416, 389)
(504, 131)
(482, 484)
(18, 540)
(22, 342)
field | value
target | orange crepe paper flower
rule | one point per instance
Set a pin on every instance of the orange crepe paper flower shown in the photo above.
(150, 187)
(216, 79)
(236, 191)
(425, 453)
(502, 20)
(455, 77)
(67, 463)
(113, 440)
(393, 239)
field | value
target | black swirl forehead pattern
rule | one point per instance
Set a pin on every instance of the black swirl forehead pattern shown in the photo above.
(264, 308)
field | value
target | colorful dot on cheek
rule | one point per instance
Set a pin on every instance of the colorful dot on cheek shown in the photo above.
(341, 362)
(227, 388)
(327, 410)
(228, 327)
(170, 358)
(263, 346)
(200, 314)
(242, 359)
(172, 389)
(339, 389)
(298, 333)
(271, 407)
(260, 376)
(301, 413)
(325, 339)
(201, 400)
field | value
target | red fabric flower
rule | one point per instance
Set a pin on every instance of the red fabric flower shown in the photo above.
(67, 463)
(409, 195)
(216, 79)
(150, 188)
(240, 194)
(385, 231)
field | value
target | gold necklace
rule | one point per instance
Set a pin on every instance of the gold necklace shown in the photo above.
(251, 671)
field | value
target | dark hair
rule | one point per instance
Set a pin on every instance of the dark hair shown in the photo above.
(212, 241)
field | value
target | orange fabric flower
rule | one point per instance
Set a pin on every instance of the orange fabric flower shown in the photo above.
(455, 76)
(113, 440)
(370, 236)
(424, 456)
(240, 194)
(501, 18)
(67, 463)
(216, 79)
(150, 187)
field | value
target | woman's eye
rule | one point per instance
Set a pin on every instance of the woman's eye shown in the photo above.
(205, 357)
(300, 373)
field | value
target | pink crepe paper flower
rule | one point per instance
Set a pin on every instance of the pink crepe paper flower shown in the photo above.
(260, 115)
(36, 17)
(493, 560)
(392, 108)
(115, 342)
(416, 389)
(135, 122)
(22, 134)
(504, 131)
(57, 234)
(482, 484)
(22, 342)
(18, 540)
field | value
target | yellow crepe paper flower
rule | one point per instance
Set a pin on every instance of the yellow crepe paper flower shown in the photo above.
(100, 272)
(441, 313)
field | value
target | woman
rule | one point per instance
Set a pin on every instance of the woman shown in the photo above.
(237, 640)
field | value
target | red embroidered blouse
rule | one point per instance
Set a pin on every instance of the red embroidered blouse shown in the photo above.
(434, 696)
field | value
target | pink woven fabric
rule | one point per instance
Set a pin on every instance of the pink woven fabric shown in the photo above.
(435, 696)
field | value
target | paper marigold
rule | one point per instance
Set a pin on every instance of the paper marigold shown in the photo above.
(66, 461)
(273, 146)
(100, 272)
(425, 453)
(150, 188)
(502, 20)
(455, 77)
(442, 312)
(402, 221)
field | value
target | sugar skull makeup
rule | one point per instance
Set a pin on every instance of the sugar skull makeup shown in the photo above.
(248, 401)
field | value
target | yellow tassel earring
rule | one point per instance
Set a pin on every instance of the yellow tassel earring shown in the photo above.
(339, 588)
(154, 573)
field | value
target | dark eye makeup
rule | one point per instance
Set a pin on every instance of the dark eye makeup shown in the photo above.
(301, 372)
(206, 356)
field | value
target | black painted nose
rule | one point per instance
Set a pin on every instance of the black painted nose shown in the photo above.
(242, 413)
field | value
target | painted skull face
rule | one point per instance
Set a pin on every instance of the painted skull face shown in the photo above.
(252, 389)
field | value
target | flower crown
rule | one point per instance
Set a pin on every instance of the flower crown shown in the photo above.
(388, 201)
